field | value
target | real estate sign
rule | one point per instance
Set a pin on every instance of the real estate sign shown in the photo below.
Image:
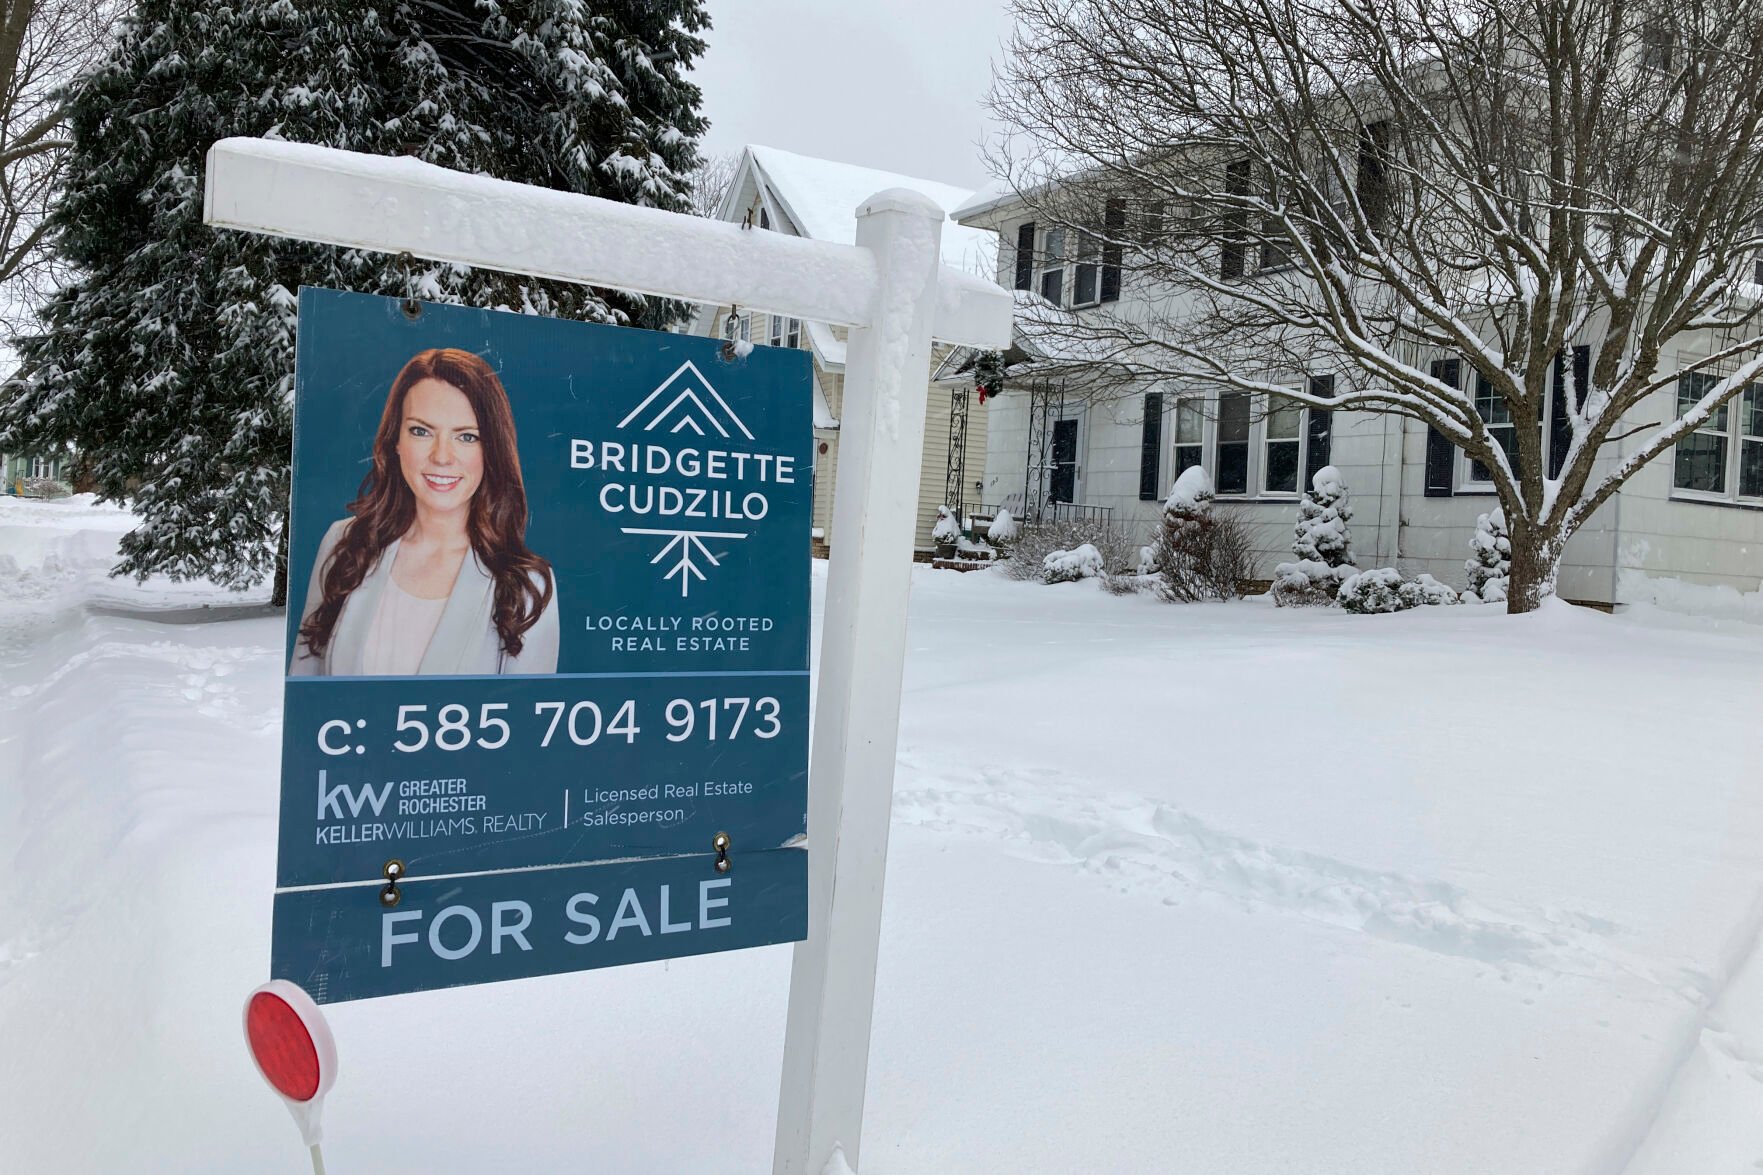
(547, 648)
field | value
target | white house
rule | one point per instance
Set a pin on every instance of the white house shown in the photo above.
(1687, 528)
(777, 191)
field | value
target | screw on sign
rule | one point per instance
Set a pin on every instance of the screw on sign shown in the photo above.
(294, 1051)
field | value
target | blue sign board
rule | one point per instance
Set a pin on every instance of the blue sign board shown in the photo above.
(548, 638)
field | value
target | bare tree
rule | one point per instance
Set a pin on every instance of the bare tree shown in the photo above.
(711, 182)
(1433, 199)
(43, 46)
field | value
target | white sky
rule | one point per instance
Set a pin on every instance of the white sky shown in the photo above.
(894, 84)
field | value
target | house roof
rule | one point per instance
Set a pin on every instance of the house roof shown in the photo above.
(821, 196)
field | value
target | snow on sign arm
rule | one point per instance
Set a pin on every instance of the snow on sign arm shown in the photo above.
(611, 668)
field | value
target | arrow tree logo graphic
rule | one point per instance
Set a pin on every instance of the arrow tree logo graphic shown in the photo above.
(687, 402)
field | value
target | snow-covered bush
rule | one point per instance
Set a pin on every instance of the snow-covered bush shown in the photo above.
(1198, 554)
(947, 531)
(1117, 543)
(1383, 589)
(44, 487)
(1083, 562)
(1490, 560)
(1003, 529)
(1322, 541)
(1377, 590)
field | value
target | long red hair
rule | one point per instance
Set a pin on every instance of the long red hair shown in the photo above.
(384, 508)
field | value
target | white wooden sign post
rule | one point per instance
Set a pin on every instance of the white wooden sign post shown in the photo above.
(893, 292)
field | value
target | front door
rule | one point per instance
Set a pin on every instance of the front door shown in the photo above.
(1062, 487)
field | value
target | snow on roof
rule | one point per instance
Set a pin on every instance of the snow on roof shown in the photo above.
(822, 196)
(987, 198)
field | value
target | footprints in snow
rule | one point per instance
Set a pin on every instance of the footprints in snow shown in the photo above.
(1139, 843)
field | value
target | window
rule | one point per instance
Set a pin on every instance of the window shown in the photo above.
(1190, 423)
(1568, 380)
(1114, 229)
(42, 467)
(1282, 440)
(1052, 263)
(1751, 443)
(1656, 45)
(1372, 182)
(1701, 456)
(1276, 251)
(1234, 246)
(1724, 456)
(1151, 449)
(764, 218)
(1319, 435)
(1232, 476)
(785, 332)
(1496, 414)
(1025, 256)
(1440, 452)
(1084, 279)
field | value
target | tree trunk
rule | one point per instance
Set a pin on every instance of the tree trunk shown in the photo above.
(278, 595)
(1536, 562)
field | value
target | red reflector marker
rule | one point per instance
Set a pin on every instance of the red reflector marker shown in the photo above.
(295, 1052)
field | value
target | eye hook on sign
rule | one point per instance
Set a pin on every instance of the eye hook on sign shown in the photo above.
(721, 842)
(391, 895)
(412, 308)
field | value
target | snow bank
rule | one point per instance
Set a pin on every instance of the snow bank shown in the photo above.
(1669, 594)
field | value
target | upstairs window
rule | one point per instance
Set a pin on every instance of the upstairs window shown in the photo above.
(1233, 246)
(1656, 46)
(1373, 182)
(1025, 256)
(1084, 285)
(785, 332)
(1052, 265)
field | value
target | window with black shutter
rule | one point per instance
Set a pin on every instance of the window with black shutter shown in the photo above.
(1114, 229)
(1440, 453)
(1151, 449)
(1234, 247)
(1025, 256)
(1319, 430)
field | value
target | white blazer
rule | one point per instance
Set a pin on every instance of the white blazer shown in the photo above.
(465, 642)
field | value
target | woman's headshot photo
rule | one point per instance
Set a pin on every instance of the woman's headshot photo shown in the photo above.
(430, 573)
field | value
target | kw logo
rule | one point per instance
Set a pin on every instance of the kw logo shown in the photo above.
(332, 799)
(691, 392)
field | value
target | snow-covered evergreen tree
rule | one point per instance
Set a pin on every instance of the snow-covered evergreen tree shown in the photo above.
(1490, 559)
(169, 363)
(948, 528)
(1322, 541)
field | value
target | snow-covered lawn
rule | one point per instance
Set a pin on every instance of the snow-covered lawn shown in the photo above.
(1214, 888)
